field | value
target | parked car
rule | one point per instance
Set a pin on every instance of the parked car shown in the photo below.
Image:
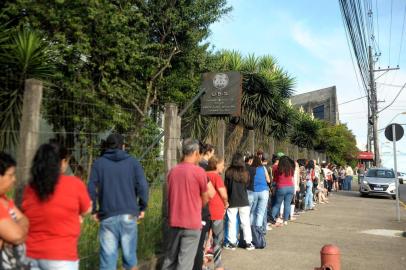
(379, 181)
(401, 177)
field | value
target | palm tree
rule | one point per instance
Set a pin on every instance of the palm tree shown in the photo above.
(24, 54)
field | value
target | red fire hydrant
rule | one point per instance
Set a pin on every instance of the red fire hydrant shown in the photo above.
(330, 258)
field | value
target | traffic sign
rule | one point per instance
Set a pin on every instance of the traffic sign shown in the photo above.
(398, 132)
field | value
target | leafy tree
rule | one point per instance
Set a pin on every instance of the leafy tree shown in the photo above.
(338, 142)
(125, 58)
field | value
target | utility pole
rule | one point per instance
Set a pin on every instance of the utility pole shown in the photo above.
(373, 106)
(374, 109)
(369, 123)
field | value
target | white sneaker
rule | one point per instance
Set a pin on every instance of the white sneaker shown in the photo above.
(250, 246)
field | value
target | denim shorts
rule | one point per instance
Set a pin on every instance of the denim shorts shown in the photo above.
(115, 232)
(39, 264)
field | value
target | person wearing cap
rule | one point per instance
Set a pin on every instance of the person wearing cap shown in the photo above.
(119, 191)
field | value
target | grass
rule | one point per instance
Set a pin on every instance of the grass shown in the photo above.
(149, 234)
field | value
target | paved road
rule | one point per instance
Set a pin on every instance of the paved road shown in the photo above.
(341, 222)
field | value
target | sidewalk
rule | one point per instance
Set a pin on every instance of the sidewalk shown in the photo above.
(297, 246)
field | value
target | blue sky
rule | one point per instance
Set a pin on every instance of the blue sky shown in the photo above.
(308, 39)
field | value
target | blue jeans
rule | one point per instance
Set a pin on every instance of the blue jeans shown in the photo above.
(258, 203)
(348, 180)
(39, 264)
(115, 231)
(309, 195)
(284, 194)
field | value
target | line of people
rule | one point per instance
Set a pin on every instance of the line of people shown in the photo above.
(44, 234)
(207, 213)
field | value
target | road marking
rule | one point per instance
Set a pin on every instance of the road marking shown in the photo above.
(403, 204)
(383, 232)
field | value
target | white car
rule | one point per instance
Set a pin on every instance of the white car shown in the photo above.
(379, 181)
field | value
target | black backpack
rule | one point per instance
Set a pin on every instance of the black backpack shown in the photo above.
(258, 237)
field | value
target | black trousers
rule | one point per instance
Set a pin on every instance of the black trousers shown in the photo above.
(200, 249)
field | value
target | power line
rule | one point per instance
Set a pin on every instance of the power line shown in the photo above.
(400, 91)
(353, 65)
(390, 27)
(352, 100)
(391, 85)
(403, 31)
(377, 23)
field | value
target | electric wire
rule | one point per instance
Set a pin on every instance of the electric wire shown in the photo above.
(390, 27)
(353, 19)
(403, 32)
(400, 91)
(345, 102)
(353, 64)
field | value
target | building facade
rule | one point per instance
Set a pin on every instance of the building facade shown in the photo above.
(321, 103)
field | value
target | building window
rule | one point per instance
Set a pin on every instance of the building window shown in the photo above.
(318, 112)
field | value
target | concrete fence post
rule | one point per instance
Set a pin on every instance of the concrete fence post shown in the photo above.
(287, 152)
(171, 145)
(295, 152)
(29, 134)
(271, 146)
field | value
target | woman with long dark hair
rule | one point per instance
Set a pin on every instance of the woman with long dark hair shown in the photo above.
(283, 177)
(236, 181)
(53, 203)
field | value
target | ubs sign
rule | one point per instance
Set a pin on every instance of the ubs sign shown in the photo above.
(223, 93)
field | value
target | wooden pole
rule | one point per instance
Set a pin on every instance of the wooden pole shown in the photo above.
(221, 134)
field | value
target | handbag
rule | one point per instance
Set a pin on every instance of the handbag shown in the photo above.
(12, 257)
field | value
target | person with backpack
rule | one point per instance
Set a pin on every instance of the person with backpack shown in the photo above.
(236, 181)
(284, 179)
(310, 176)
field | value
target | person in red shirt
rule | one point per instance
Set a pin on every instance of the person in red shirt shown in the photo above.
(283, 177)
(187, 193)
(217, 206)
(54, 204)
(13, 224)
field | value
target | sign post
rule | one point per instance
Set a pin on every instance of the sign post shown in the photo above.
(394, 132)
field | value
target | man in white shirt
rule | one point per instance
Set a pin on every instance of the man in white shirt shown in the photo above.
(349, 173)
